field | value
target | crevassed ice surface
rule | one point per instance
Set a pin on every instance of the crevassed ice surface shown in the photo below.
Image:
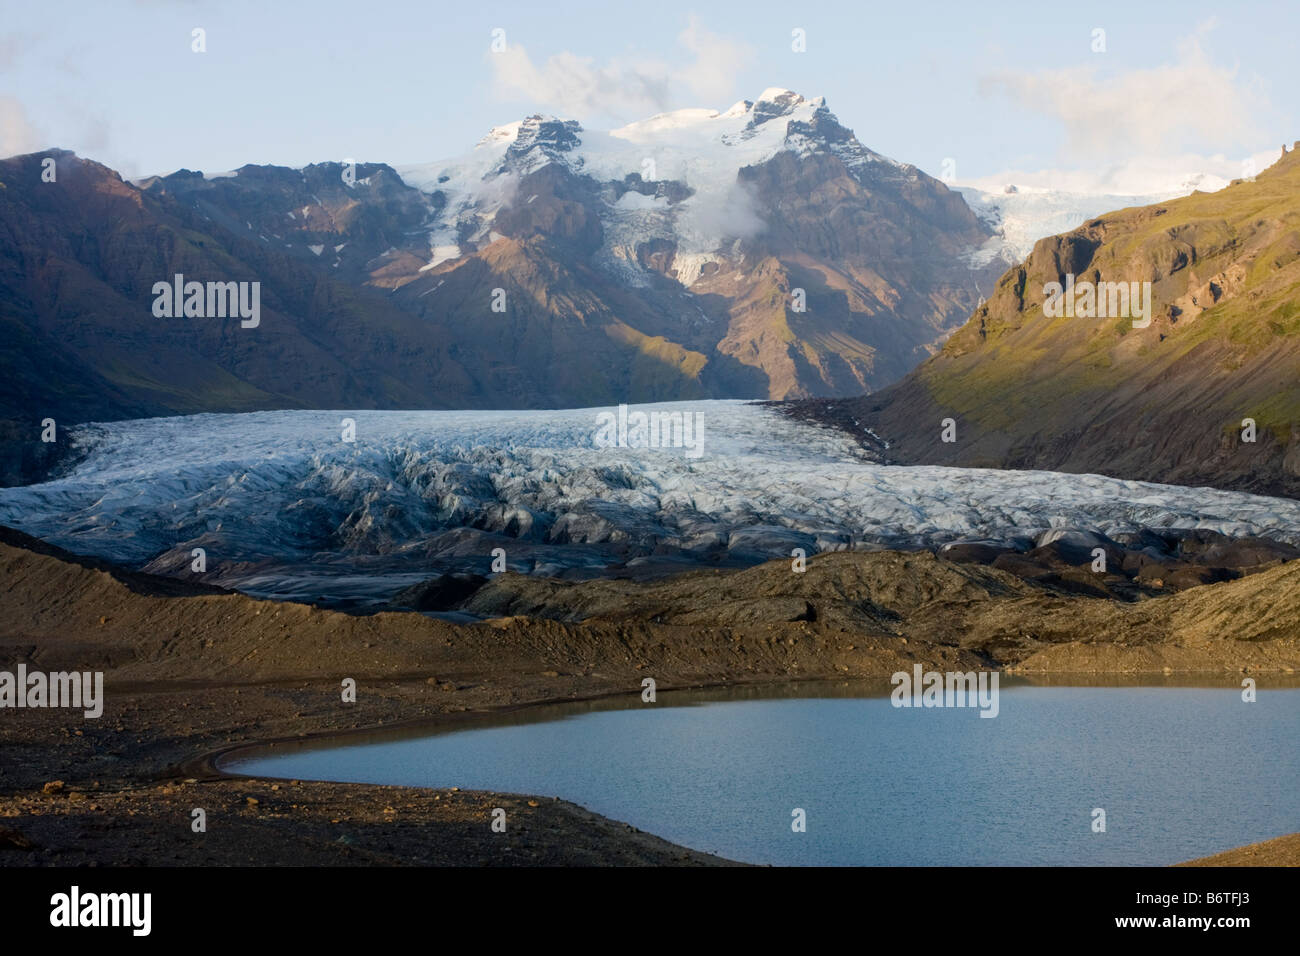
(284, 507)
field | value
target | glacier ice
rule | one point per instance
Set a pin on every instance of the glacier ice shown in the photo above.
(284, 507)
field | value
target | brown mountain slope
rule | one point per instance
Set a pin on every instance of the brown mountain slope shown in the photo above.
(1165, 402)
(78, 261)
(878, 254)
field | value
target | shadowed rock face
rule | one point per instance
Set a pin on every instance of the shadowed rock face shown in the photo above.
(79, 258)
(1162, 403)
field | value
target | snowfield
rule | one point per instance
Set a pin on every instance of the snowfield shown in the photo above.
(284, 507)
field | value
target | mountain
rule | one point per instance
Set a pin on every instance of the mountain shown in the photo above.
(683, 238)
(1165, 402)
(712, 221)
(760, 252)
(79, 258)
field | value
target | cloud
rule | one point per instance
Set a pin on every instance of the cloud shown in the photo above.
(17, 134)
(718, 61)
(1149, 177)
(1158, 111)
(577, 87)
(712, 216)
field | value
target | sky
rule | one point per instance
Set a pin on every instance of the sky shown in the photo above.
(997, 91)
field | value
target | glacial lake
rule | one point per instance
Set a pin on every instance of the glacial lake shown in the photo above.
(1180, 771)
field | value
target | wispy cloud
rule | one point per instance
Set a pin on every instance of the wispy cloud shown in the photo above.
(711, 75)
(1165, 110)
(579, 87)
(12, 48)
(17, 133)
(1149, 177)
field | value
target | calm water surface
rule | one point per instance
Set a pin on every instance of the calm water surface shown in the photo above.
(1180, 771)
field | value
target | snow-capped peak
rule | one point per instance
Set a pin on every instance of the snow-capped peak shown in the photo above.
(703, 150)
(505, 133)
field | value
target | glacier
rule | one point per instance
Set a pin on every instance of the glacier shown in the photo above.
(285, 508)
